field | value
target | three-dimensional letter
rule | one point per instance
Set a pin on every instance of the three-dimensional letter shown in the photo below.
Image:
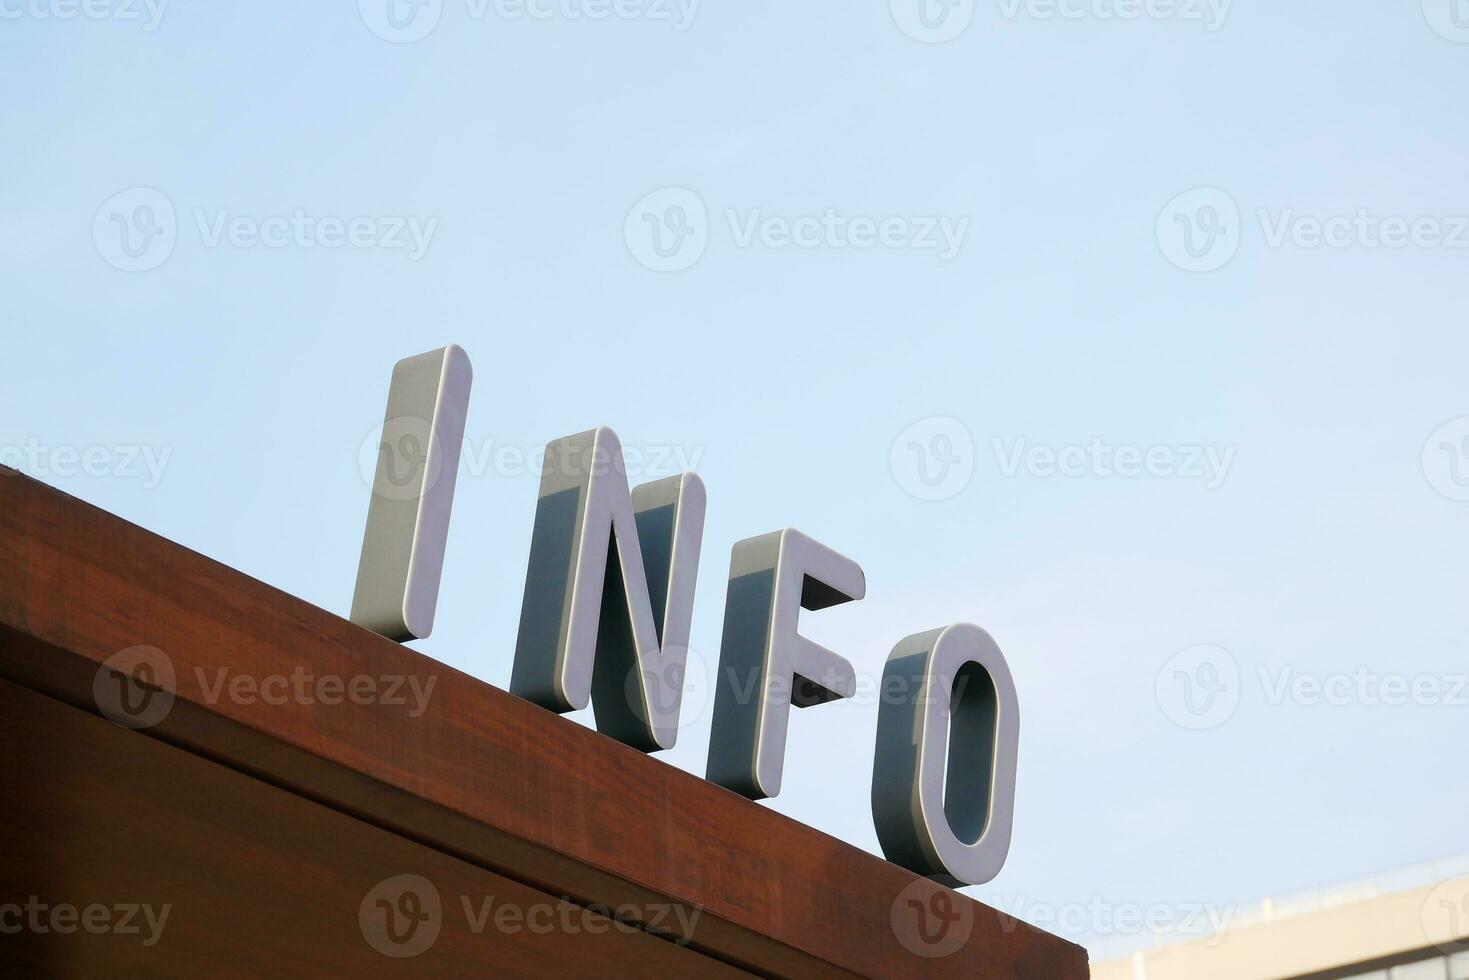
(764, 665)
(412, 494)
(612, 632)
(948, 705)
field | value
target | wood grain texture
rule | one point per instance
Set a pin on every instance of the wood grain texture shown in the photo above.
(247, 880)
(480, 775)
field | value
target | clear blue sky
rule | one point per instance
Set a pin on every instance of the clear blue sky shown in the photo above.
(519, 147)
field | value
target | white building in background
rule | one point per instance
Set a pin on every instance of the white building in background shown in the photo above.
(1409, 924)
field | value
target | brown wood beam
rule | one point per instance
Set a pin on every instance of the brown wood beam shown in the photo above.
(481, 775)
